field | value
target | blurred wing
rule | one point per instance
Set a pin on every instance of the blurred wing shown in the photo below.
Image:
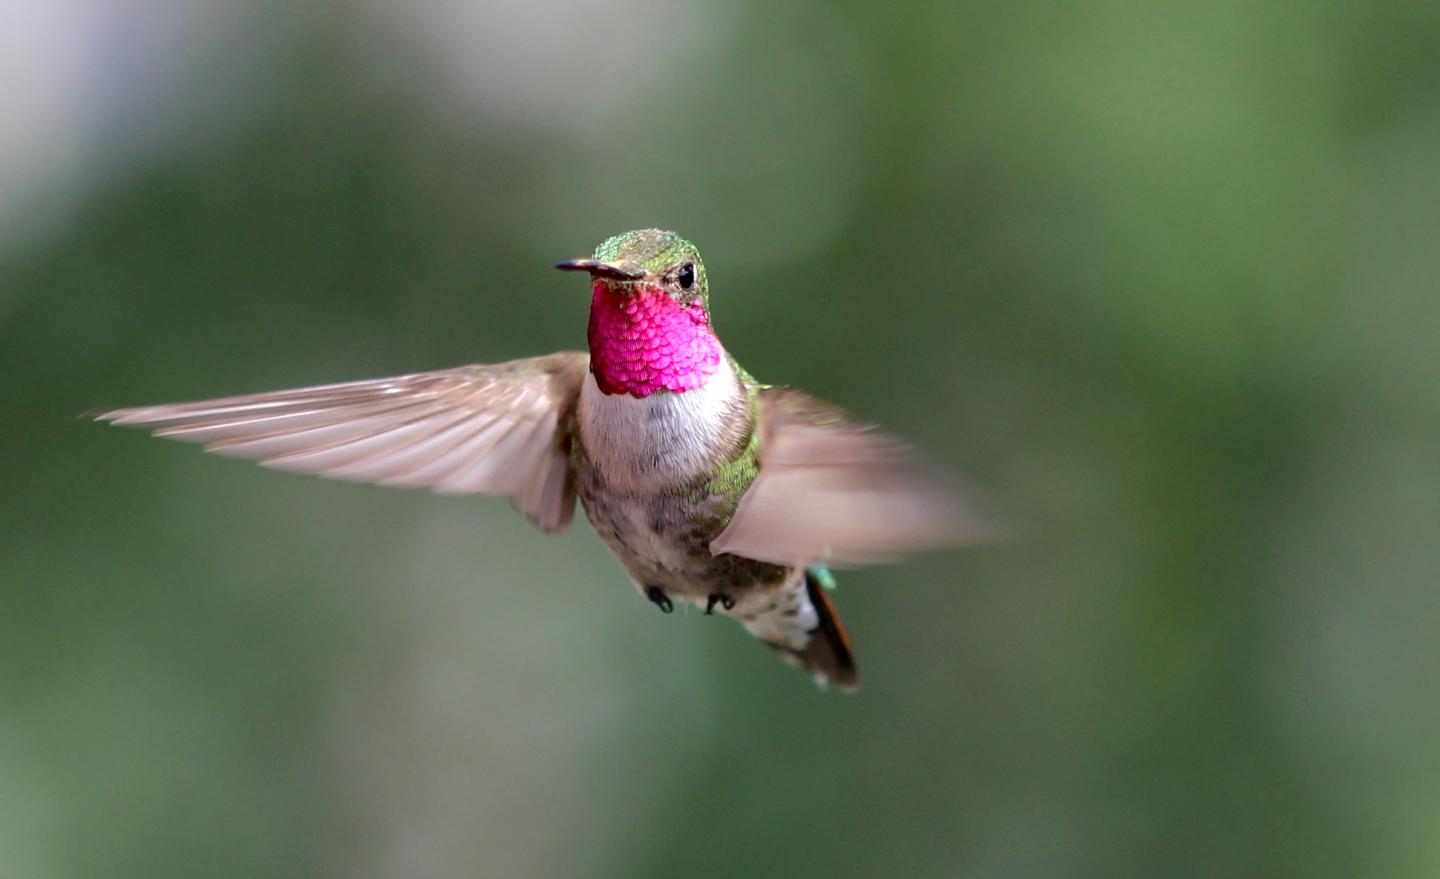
(832, 490)
(497, 429)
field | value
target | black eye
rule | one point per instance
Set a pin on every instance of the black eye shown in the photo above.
(686, 276)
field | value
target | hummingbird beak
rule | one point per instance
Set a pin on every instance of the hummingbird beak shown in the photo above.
(599, 269)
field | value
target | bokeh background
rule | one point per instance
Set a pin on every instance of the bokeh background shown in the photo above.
(1162, 277)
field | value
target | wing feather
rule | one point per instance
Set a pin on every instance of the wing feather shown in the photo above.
(488, 468)
(833, 490)
(499, 429)
(470, 439)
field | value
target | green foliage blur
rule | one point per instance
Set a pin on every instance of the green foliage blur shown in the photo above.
(1161, 277)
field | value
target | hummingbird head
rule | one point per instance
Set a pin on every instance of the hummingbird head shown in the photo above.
(648, 260)
(649, 314)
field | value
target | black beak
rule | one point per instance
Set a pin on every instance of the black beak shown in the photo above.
(600, 269)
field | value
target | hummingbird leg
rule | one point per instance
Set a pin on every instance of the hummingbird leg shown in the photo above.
(660, 599)
(723, 599)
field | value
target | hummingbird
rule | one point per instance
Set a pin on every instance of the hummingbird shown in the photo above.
(711, 488)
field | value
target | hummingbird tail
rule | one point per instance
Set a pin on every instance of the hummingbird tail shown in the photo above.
(826, 651)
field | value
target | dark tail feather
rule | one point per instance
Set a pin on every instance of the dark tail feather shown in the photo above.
(828, 653)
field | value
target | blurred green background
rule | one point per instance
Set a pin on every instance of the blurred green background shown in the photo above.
(1161, 277)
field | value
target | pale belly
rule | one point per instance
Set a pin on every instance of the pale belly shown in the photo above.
(658, 540)
(641, 469)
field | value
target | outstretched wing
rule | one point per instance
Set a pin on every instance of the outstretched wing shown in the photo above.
(833, 490)
(500, 429)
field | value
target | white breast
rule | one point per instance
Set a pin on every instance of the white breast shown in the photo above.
(641, 445)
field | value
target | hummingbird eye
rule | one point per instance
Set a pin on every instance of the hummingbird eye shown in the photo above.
(686, 276)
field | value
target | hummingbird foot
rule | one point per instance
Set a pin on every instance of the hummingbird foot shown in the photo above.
(724, 599)
(660, 599)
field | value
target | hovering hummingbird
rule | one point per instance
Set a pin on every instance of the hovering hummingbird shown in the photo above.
(710, 487)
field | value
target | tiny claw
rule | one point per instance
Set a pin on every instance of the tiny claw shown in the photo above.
(660, 599)
(721, 598)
